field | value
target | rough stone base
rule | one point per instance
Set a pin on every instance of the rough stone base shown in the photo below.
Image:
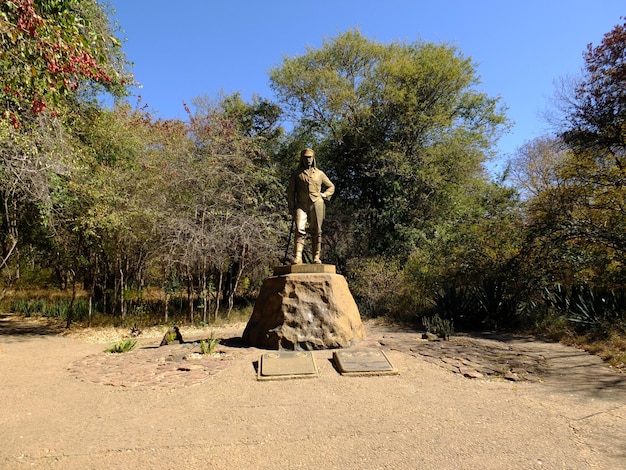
(304, 311)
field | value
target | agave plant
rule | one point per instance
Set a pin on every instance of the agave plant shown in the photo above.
(122, 346)
(207, 346)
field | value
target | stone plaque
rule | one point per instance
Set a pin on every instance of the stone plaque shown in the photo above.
(286, 365)
(363, 362)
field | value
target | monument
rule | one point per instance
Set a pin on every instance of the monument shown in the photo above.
(305, 306)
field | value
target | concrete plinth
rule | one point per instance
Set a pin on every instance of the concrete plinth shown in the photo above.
(305, 311)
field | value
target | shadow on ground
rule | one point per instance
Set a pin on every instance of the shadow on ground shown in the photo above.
(13, 325)
(516, 358)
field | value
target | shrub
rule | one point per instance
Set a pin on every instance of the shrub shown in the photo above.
(588, 309)
(438, 326)
(207, 346)
(377, 285)
(122, 346)
(27, 307)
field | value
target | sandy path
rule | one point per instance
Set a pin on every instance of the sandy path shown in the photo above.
(425, 417)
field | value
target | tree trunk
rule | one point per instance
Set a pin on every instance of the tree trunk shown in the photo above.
(13, 234)
(218, 290)
(167, 306)
(105, 293)
(190, 295)
(235, 284)
(122, 289)
(203, 290)
(70, 309)
(92, 288)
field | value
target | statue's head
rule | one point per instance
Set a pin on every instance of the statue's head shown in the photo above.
(307, 158)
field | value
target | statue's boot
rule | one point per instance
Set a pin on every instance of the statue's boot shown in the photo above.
(297, 252)
(317, 248)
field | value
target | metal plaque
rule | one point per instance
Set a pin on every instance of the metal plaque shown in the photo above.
(363, 362)
(287, 365)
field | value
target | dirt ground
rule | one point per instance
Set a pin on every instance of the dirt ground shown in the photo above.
(475, 402)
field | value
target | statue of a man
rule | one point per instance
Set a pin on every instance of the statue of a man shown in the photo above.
(309, 187)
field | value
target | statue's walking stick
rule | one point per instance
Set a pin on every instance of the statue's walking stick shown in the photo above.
(293, 222)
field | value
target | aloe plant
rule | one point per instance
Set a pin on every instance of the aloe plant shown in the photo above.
(207, 346)
(123, 346)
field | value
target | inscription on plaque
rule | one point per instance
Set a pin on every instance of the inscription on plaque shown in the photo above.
(363, 362)
(287, 365)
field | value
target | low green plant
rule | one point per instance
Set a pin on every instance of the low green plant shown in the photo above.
(50, 308)
(438, 326)
(28, 307)
(588, 309)
(58, 309)
(122, 346)
(207, 346)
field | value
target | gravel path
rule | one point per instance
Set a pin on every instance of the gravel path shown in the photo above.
(471, 402)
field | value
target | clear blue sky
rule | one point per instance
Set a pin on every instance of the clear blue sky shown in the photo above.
(190, 48)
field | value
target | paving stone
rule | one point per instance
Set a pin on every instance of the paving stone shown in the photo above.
(487, 357)
(471, 373)
(148, 367)
(512, 376)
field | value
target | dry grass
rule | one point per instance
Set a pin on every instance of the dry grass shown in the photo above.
(611, 349)
(42, 293)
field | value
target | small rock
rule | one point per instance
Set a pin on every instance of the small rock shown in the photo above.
(471, 373)
(512, 376)
(450, 367)
(190, 368)
(452, 361)
(430, 336)
(135, 331)
(192, 356)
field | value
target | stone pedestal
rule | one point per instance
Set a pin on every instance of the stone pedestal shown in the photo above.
(306, 307)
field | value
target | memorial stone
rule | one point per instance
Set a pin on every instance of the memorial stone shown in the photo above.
(304, 311)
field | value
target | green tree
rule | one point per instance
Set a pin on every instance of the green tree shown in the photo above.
(404, 131)
(105, 225)
(401, 129)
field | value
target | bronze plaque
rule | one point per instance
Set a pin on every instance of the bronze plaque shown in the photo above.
(305, 269)
(363, 362)
(287, 365)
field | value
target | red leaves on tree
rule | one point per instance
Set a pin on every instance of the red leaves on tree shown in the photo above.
(28, 19)
(53, 56)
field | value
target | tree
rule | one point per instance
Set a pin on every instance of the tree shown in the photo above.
(105, 230)
(50, 49)
(221, 201)
(594, 168)
(595, 116)
(400, 129)
(54, 57)
(535, 167)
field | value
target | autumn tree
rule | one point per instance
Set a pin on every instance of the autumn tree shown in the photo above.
(573, 185)
(222, 222)
(54, 57)
(50, 49)
(594, 168)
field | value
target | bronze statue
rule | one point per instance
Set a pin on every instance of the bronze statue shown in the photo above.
(306, 196)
